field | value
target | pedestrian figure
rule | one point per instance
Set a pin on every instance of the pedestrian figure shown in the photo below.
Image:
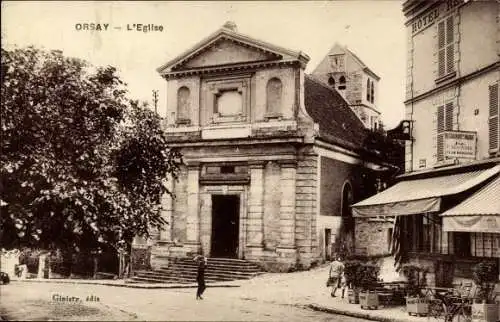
(343, 283)
(335, 274)
(200, 276)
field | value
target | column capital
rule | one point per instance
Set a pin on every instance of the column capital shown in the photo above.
(256, 164)
(193, 165)
(288, 163)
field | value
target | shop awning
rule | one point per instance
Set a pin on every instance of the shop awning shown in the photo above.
(478, 213)
(419, 196)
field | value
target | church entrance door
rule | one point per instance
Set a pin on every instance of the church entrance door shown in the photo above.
(225, 226)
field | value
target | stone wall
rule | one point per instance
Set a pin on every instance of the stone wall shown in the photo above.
(372, 237)
(306, 195)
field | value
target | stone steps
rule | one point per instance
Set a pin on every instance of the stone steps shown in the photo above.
(184, 270)
(208, 274)
(187, 277)
(211, 267)
(148, 280)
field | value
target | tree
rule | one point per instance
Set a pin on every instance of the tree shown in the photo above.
(82, 166)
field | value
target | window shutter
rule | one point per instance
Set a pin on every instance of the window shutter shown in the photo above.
(450, 45)
(441, 49)
(373, 91)
(368, 90)
(493, 123)
(440, 134)
(449, 117)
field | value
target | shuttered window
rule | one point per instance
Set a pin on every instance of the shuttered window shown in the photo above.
(446, 47)
(494, 126)
(368, 91)
(372, 89)
(444, 123)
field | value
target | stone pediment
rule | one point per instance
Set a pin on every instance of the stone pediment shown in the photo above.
(226, 51)
(229, 48)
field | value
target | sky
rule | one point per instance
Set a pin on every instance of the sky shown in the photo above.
(373, 30)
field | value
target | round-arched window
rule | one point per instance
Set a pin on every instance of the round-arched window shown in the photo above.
(342, 82)
(183, 103)
(273, 95)
(347, 198)
(368, 90)
(331, 81)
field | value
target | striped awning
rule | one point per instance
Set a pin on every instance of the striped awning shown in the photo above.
(420, 196)
(478, 213)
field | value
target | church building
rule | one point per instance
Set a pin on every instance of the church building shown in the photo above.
(272, 157)
(357, 83)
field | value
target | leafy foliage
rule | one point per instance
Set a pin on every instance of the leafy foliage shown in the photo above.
(351, 269)
(82, 166)
(361, 275)
(386, 148)
(485, 275)
(416, 276)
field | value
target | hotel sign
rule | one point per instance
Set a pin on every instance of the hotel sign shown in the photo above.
(428, 18)
(460, 145)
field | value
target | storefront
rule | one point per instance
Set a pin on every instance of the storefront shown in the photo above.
(446, 219)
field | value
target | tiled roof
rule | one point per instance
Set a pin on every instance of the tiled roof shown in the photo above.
(337, 122)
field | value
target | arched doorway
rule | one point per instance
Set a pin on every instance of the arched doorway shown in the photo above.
(345, 243)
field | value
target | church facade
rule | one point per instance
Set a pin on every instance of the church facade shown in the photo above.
(272, 157)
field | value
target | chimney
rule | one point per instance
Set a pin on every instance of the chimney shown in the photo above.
(231, 26)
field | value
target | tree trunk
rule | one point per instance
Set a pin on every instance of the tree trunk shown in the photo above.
(94, 270)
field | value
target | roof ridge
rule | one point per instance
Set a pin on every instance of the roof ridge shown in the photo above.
(356, 57)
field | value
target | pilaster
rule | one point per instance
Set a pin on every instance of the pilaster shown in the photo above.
(193, 197)
(287, 204)
(255, 205)
(287, 250)
(167, 212)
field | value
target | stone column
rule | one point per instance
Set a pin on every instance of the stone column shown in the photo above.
(255, 205)
(167, 211)
(287, 205)
(193, 201)
(287, 250)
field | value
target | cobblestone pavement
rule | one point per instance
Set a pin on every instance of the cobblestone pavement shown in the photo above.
(116, 303)
(271, 296)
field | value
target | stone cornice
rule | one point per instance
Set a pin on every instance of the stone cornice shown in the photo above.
(411, 7)
(200, 51)
(371, 73)
(248, 67)
(256, 164)
(267, 140)
(275, 53)
(193, 165)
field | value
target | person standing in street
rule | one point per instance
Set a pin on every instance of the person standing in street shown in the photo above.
(200, 276)
(343, 283)
(335, 275)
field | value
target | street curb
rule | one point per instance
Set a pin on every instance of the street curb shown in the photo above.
(152, 286)
(366, 316)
